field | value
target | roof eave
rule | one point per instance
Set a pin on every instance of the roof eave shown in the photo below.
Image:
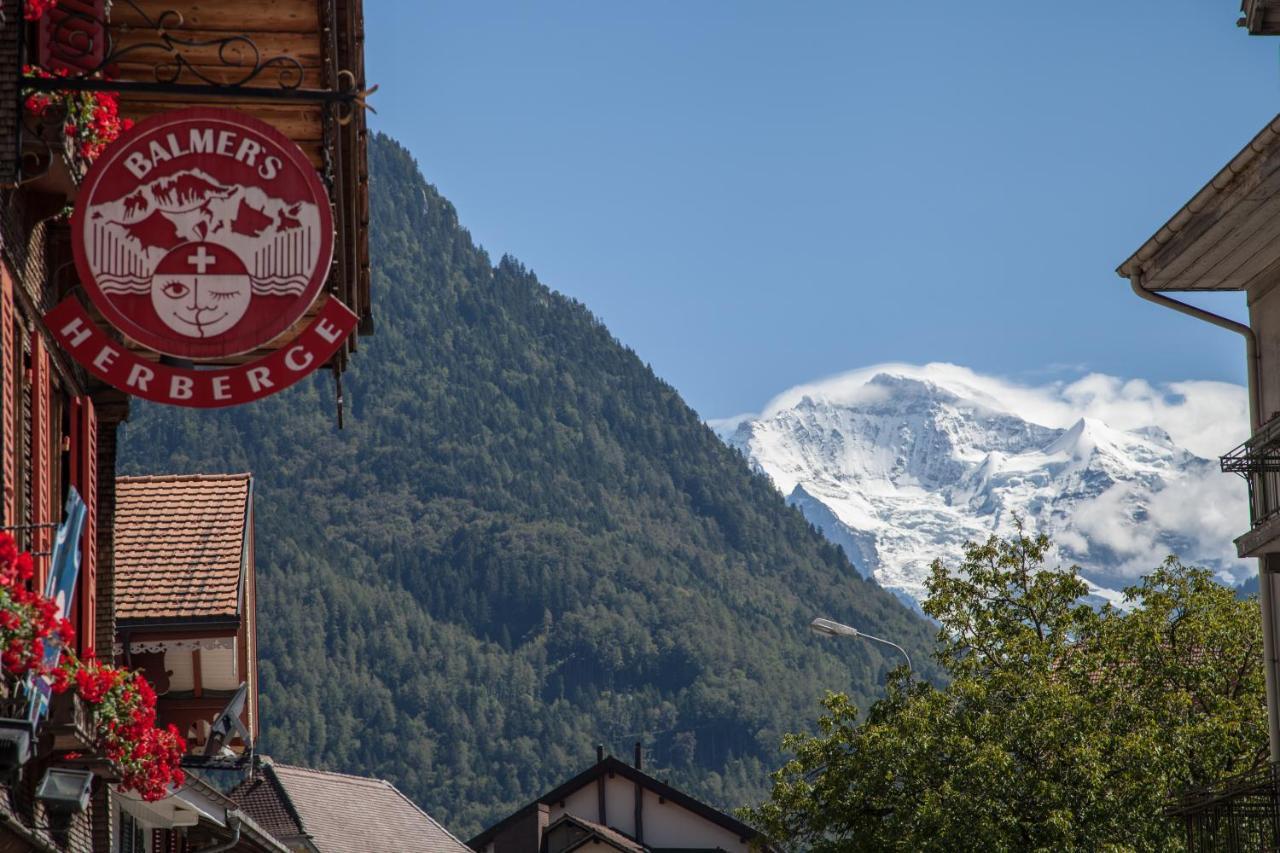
(1264, 139)
(220, 621)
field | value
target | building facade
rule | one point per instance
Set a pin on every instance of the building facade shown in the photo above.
(1224, 239)
(613, 805)
(296, 65)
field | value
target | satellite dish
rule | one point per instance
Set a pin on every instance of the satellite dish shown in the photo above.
(228, 722)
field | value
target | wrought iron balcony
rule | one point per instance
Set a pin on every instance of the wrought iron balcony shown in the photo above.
(1258, 461)
(1240, 814)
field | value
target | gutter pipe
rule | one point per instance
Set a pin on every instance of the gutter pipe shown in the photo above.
(1266, 595)
(233, 823)
(1250, 339)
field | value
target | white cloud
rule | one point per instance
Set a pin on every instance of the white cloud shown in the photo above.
(1207, 418)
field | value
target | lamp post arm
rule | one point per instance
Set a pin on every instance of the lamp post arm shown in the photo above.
(910, 668)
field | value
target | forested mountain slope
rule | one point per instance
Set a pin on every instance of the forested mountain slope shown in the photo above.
(522, 543)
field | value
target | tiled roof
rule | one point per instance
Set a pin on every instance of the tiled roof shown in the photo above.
(255, 831)
(346, 813)
(263, 798)
(179, 542)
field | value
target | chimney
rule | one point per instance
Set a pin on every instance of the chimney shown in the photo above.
(601, 817)
(639, 814)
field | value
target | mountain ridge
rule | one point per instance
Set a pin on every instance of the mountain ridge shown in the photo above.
(905, 464)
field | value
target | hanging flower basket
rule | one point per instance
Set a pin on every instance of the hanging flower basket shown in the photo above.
(124, 731)
(89, 121)
(104, 769)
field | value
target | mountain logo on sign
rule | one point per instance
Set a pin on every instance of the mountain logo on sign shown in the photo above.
(132, 235)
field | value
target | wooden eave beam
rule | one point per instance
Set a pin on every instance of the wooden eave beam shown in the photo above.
(1260, 17)
(326, 37)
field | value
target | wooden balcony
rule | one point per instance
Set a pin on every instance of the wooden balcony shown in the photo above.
(194, 714)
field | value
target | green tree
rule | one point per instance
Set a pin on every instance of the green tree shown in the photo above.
(1063, 727)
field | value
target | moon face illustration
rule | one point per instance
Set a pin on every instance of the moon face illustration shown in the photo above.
(200, 293)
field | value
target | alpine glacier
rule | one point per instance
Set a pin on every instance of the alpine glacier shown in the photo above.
(902, 464)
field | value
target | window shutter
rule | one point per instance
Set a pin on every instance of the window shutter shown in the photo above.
(87, 465)
(128, 828)
(71, 36)
(41, 467)
(25, 410)
(9, 388)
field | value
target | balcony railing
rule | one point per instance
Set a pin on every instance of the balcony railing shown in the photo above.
(1240, 814)
(1258, 461)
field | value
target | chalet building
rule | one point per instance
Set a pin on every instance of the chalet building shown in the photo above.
(1224, 239)
(186, 597)
(57, 434)
(613, 805)
(295, 67)
(186, 616)
(314, 811)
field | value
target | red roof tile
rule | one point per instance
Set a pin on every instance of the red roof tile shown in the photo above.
(179, 545)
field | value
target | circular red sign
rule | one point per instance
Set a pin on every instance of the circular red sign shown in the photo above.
(202, 233)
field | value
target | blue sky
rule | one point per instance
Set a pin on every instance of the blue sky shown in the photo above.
(753, 195)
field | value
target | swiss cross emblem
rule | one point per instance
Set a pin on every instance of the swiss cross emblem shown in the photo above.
(201, 290)
(203, 234)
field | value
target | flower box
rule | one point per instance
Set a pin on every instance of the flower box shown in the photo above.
(71, 722)
(105, 770)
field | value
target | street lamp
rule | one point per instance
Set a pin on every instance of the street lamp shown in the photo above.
(828, 628)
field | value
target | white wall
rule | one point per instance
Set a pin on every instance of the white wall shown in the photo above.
(218, 669)
(1264, 317)
(665, 824)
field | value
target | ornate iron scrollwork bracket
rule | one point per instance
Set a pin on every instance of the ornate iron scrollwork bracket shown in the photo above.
(231, 66)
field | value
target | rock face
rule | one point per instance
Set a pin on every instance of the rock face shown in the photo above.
(909, 466)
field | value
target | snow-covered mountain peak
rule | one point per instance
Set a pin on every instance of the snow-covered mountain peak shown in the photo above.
(903, 464)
